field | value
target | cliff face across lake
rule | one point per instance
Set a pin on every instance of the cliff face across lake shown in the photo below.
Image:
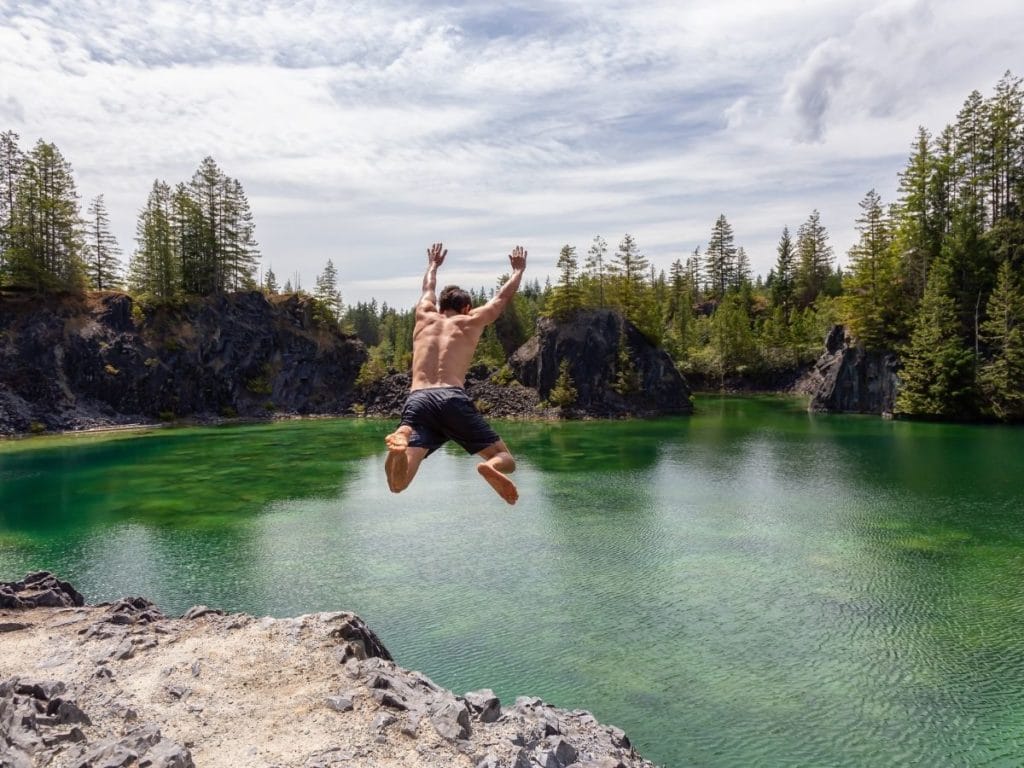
(121, 684)
(101, 359)
(70, 362)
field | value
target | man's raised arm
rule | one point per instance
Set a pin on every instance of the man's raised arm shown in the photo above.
(435, 257)
(490, 311)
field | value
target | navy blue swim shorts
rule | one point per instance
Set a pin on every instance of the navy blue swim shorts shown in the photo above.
(440, 414)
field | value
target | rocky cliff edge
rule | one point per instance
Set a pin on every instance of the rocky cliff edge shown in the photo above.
(121, 684)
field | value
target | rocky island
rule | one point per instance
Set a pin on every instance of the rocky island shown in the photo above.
(120, 684)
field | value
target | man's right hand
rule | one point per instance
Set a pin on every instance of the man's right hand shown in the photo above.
(518, 258)
(436, 254)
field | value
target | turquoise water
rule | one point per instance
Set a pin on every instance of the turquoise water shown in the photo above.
(749, 586)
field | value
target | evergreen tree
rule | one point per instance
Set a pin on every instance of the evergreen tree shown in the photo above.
(919, 230)
(720, 258)
(239, 248)
(563, 394)
(45, 248)
(327, 292)
(814, 259)
(742, 276)
(783, 284)
(938, 369)
(103, 267)
(629, 267)
(872, 299)
(154, 270)
(695, 271)
(12, 161)
(596, 270)
(732, 339)
(270, 282)
(1001, 377)
(565, 297)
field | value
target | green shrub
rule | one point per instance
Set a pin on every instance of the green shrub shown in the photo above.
(111, 369)
(36, 427)
(563, 394)
(503, 376)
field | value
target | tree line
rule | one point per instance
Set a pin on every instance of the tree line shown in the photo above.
(193, 239)
(935, 276)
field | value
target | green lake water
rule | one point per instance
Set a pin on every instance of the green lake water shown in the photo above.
(750, 586)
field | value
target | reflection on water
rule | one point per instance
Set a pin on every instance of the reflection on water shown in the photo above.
(751, 585)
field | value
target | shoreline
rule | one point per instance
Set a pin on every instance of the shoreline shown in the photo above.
(119, 682)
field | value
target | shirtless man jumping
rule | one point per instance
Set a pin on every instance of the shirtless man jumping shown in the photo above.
(438, 408)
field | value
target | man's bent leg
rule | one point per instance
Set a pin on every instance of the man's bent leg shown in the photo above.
(403, 461)
(497, 463)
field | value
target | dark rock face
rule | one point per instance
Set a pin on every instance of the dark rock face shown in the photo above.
(590, 343)
(849, 379)
(39, 590)
(33, 717)
(78, 361)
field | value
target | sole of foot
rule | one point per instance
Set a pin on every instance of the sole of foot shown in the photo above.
(499, 482)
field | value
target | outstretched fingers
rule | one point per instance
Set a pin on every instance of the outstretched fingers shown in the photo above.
(436, 254)
(518, 257)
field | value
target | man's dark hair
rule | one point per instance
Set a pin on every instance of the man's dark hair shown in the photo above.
(453, 298)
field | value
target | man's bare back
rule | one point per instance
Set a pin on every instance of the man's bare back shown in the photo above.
(444, 339)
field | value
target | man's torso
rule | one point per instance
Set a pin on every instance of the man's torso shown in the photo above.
(442, 349)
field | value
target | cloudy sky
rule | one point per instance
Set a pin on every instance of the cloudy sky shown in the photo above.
(362, 132)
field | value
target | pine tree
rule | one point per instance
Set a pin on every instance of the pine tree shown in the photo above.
(629, 267)
(238, 244)
(872, 295)
(784, 278)
(1001, 377)
(742, 276)
(154, 270)
(270, 282)
(563, 394)
(596, 271)
(12, 162)
(696, 272)
(327, 292)
(103, 267)
(45, 250)
(938, 369)
(565, 297)
(814, 259)
(720, 258)
(919, 230)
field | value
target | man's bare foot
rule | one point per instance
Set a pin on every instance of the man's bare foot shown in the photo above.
(499, 482)
(398, 440)
(396, 467)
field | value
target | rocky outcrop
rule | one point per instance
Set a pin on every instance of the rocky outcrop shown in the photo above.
(122, 684)
(41, 589)
(849, 379)
(500, 401)
(591, 344)
(101, 359)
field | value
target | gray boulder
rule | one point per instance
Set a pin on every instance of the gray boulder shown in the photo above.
(850, 379)
(590, 342)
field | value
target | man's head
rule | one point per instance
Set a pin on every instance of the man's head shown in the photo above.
(455, 299)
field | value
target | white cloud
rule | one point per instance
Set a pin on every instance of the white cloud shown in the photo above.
(364, 131)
